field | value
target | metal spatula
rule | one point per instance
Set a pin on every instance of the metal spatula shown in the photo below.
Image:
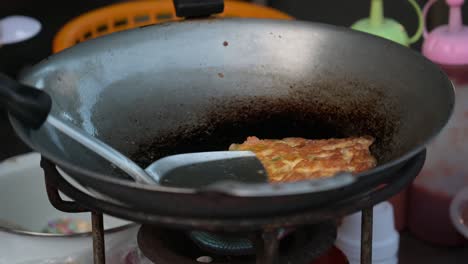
(31, 106)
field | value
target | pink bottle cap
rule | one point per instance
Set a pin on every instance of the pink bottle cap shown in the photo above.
(448, 44)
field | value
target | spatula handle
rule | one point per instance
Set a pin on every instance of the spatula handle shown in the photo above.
(198, 8)
(29, 105)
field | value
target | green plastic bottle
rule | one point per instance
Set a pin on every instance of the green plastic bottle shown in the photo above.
(377, 24)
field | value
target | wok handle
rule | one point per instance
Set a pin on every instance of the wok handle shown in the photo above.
(198, 8)
(29, 105)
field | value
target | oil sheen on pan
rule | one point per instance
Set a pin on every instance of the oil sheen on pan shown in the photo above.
(295, 159)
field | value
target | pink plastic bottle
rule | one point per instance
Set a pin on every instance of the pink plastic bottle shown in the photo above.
(446, 170)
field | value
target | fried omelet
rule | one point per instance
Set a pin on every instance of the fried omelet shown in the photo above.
(295, 159)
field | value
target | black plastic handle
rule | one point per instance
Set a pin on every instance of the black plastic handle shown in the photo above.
(29, 105)
(198, 8)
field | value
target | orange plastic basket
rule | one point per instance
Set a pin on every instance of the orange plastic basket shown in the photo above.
(134, 14)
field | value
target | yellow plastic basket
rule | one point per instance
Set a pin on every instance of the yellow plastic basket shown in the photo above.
(134, 14)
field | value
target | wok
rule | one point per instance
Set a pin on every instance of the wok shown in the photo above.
(201, 85)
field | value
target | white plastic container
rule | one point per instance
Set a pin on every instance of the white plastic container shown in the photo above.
(385, 239)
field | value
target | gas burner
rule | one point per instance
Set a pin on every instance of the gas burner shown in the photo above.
(303, 246)
(230, 244)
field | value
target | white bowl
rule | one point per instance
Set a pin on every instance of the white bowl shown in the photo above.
(25, 206)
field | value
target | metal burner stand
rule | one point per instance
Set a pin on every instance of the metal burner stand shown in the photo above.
(269, 225)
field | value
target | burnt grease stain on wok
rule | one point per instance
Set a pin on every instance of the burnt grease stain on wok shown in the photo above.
(231, 120)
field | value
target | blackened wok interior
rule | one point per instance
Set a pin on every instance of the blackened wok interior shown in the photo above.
(298, 115)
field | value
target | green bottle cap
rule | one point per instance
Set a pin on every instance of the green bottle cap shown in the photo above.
(377, 24)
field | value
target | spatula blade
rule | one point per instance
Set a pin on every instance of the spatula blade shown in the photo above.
(197, 170)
